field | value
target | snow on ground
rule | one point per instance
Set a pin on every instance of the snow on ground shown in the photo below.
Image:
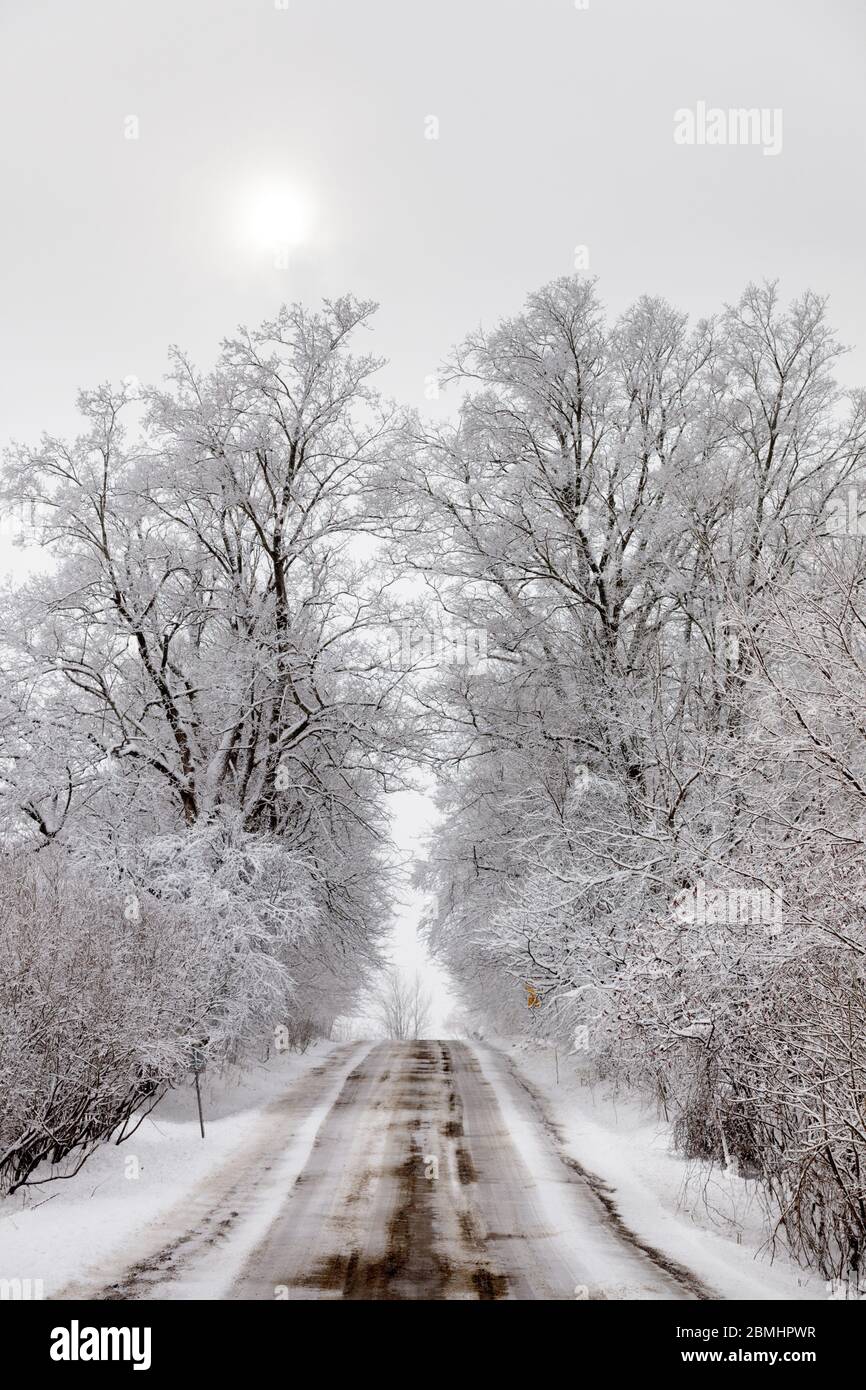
(71, 1230)
(703, 1218)
(76, 1235)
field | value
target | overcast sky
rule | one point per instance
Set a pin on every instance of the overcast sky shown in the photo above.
(555, 130)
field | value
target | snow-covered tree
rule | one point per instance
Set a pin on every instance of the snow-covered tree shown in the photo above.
(197, 705)
(652, 826)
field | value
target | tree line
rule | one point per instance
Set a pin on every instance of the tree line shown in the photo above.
(652, 786)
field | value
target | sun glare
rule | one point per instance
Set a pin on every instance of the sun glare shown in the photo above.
(277, 217)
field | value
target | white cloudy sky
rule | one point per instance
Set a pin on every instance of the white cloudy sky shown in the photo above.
(555, 130)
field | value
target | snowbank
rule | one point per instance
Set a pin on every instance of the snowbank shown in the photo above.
(708, 1220)
(70, 1232)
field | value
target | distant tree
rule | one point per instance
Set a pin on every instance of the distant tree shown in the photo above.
(402, 1006)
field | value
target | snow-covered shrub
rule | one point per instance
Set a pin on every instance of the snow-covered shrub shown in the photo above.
(102, 998)
(110, 977)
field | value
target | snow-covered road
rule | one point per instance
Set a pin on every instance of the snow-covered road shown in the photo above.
(418, 1170)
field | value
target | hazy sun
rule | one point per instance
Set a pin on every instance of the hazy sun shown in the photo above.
(276, 216)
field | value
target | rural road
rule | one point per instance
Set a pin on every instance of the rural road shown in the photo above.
(428, 1171)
